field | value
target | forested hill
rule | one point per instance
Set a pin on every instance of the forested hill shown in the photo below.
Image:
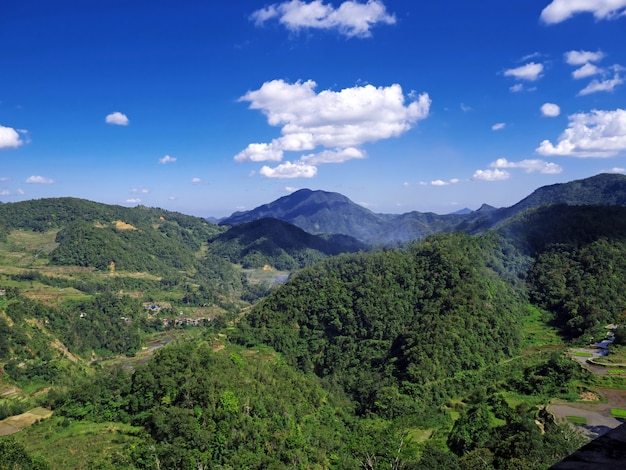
(385, 325)
(278, 244)
(606, 189)
(41, 215)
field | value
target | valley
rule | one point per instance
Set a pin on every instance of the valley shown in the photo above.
(138, 338)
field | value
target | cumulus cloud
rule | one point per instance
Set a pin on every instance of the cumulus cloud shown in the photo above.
(617, 169)
(561, 10)
(498, 126)
(602, 85)
(133, 201)
(530, 72)
(139, 191)
(196, 180)
(583, 57)
(117, 119)
(550, 110)
(5, 192)
(595, 134)
(167, 159)
(10, 138)
(351, 18)
(290, 170)
(39, 180)
(491, 175)
(338, 122)
(516, 88)
(587, 70)
(529, 166)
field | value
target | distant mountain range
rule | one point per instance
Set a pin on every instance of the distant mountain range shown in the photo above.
(321, 212)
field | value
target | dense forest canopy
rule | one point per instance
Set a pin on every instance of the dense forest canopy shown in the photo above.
(388, 322)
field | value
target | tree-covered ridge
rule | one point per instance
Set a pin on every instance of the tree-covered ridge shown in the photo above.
(535, 230)
(106, 247)
(203, 406)
(45, 214)
(278, 244)
(386, 323)
(584, 286)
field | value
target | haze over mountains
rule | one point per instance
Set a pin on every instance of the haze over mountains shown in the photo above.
(321, 212)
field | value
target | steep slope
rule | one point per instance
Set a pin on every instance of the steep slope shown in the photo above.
(279, 244)
(606, 189)
(317, 212)
(385, 324)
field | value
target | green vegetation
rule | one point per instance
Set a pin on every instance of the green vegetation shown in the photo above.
(163, 341)
(618, 413)
(577, 420)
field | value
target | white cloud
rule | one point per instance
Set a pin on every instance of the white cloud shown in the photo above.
(585, 71)
(595, 134)
(117, 119)
(498, 126)
(516, 88)
(529, 166)
(290, 170)
(10, 138)
(601, 85)
(550, 110)
(290, 189)
(333, 156)
(5, 192)
(444, 183)
(139, 191)
(196, 180)
(21, 192)
(133, 201)
(530, 72)
(261, 153)
(617, 170)
(583, 57)
(561, 10)
(337, 121)
(491, 175)
(167, 159)
(351, 18)
(39, 180)
(4, 178)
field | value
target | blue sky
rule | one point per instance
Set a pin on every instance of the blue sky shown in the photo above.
(212, 107)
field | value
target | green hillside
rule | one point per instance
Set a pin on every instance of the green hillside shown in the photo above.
(153, 348)
(278, 244)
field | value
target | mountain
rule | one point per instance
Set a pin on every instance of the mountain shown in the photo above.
(317, 212)
(278, 244)
(605, 189)
(325, 212)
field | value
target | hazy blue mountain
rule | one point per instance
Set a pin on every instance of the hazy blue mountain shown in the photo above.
(318, 212)
(326, 212)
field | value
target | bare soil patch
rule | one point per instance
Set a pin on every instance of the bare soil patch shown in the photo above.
(16, 423)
